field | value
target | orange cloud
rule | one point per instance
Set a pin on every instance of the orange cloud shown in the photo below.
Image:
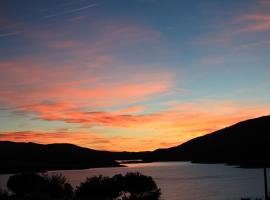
(54, 137)
(32, 81)
(176, 124)
(132, 109)
(90, 140)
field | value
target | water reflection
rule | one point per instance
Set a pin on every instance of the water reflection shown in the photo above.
(187, 181)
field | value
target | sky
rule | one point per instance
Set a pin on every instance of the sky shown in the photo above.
(131, 75)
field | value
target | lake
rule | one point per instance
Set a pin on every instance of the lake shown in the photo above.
(184, 180)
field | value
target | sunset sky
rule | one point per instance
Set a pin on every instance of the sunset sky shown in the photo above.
(131, 74)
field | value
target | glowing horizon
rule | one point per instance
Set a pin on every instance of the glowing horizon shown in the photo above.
(131, 75)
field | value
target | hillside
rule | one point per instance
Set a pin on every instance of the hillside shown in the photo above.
(246, 143)
(18, 157)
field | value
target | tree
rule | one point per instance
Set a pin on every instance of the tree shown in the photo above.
(132, 186)
(140, 187)
(98, 187)
(4, 194)
(40, 187)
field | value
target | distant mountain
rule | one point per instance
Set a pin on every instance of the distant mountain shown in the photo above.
(246, 143)
(18, 157)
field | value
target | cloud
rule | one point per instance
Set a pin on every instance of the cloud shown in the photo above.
(72, 81)
(90, 140)
(11, 33)
(132, 109)
(174, 125)
(53, 137)
(189, 118)
(9, 28)
(264, 2)
(245, 23)
(254, 23)
(246, 30)
(62, 44)
(64, 12)
(79, 82)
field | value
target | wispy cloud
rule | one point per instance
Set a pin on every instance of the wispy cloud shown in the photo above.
(171, 126)
(70, 11)
(254, 23)
(6, 34)
(62, 44)
(30, 81)
(23, 27)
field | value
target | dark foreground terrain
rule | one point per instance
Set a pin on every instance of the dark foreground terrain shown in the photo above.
(132, 186)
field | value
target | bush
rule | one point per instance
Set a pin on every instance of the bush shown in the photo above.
(40, 187)
(97, 187)
(3, 194)
(58, 187)
(24, 184)
(132, 186)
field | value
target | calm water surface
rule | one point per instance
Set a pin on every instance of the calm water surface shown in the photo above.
(185, 181)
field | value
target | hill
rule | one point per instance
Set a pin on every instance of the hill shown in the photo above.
(21, 157)
(246, 144)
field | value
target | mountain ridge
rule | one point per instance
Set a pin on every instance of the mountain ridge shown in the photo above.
(243, 144)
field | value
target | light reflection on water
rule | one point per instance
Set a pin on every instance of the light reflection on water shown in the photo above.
(186, 181)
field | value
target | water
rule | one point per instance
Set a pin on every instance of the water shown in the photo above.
(185, 181)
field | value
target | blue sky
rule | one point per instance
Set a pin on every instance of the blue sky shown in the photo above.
(141, 74)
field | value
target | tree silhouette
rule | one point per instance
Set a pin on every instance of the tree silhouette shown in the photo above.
(40, 187)
(97, 187)
(132, 186)
(58, 187)
(26, 184)
(140, 187)
(4, 194)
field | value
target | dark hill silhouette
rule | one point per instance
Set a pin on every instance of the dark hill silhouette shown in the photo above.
(246, 143)
(23, 157)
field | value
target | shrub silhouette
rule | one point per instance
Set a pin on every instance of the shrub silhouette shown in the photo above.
(40, 187)
(97, 187)
(3, 195)
(140, 187)
(58, 187)
(26, 184)
(132, 186)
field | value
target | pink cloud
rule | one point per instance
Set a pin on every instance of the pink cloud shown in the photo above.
(246, 23)
(90, 140)
(172, 126)
(132, 109)
(256, 21)
(30, 81)
(196, 117)
(62, 44)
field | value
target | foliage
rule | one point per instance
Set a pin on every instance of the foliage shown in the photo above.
(3, 195)
(132, 186)
(40, 187)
